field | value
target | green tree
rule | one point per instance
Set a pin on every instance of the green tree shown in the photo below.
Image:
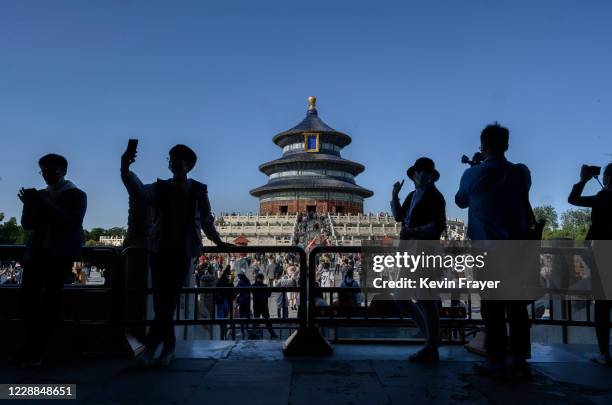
(575, 223)
(11, 232)
(115, 231)
(95, 234)
(547, 213)
(92, 237)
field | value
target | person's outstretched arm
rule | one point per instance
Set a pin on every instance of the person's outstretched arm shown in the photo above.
(208, 220)
(462, 198)
(132, 183)
(576, 198)
(398, 211)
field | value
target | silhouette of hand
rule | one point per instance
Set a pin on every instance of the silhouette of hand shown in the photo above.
(127, 159)
(397, 187)
(585, 174)
(27, 195)
(21, 194)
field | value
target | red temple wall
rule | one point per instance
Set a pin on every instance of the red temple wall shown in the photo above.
(322, 206)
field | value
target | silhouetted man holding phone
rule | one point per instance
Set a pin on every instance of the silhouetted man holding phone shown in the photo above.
(54, 216)
(180, 211)
(496, 192)
(601, 229)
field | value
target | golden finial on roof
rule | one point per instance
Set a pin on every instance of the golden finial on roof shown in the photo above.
(312, 101)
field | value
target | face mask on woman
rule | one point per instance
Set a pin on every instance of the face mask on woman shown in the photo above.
(422, 178)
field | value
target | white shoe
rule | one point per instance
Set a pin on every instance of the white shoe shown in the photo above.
(166, 357)
(147, 358)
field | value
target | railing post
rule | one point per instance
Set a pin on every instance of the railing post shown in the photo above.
(307, 340)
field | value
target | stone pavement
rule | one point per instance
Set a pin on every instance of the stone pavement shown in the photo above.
(255, 372)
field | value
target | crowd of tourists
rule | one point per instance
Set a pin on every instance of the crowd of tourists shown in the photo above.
(10, 272)
(248, 270)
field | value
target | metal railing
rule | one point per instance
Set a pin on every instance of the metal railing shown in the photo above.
(116, 296)
(452, 319)
(74, 294)
(194, 318)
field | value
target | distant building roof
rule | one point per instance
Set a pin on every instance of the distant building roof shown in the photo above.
(318, 158)
(314, 183)
(312, 123)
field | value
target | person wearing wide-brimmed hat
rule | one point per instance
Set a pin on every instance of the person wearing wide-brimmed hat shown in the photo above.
(423, 216)
(423, 213)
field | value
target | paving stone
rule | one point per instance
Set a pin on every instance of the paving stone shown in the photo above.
(147, 387)
(246, 381)
(413, 383)
(330, 366)
(340, 383)
(585, 374)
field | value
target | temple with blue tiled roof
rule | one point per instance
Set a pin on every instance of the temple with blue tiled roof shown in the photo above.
(311, 175)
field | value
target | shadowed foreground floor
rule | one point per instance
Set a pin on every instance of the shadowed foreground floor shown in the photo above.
(255, 372)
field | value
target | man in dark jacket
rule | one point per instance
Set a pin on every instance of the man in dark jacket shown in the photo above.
(181, 210)
(54, 216)
(260, 303)
(601, 229)
(423, 216)
(224, 300)
(271, 269)
(243, 299)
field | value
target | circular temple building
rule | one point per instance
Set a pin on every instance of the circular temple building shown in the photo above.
(311, 175)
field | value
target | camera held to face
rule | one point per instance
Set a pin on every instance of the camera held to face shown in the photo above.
(591, 171)
(476, 159)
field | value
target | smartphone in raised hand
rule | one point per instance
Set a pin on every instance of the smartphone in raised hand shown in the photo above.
(27, 194)
(131, 148)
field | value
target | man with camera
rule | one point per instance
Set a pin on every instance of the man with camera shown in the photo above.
(181, 209)
(601, 229)
(496, 192)
(54, 217)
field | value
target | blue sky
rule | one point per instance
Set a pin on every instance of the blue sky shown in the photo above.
(404, 79)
